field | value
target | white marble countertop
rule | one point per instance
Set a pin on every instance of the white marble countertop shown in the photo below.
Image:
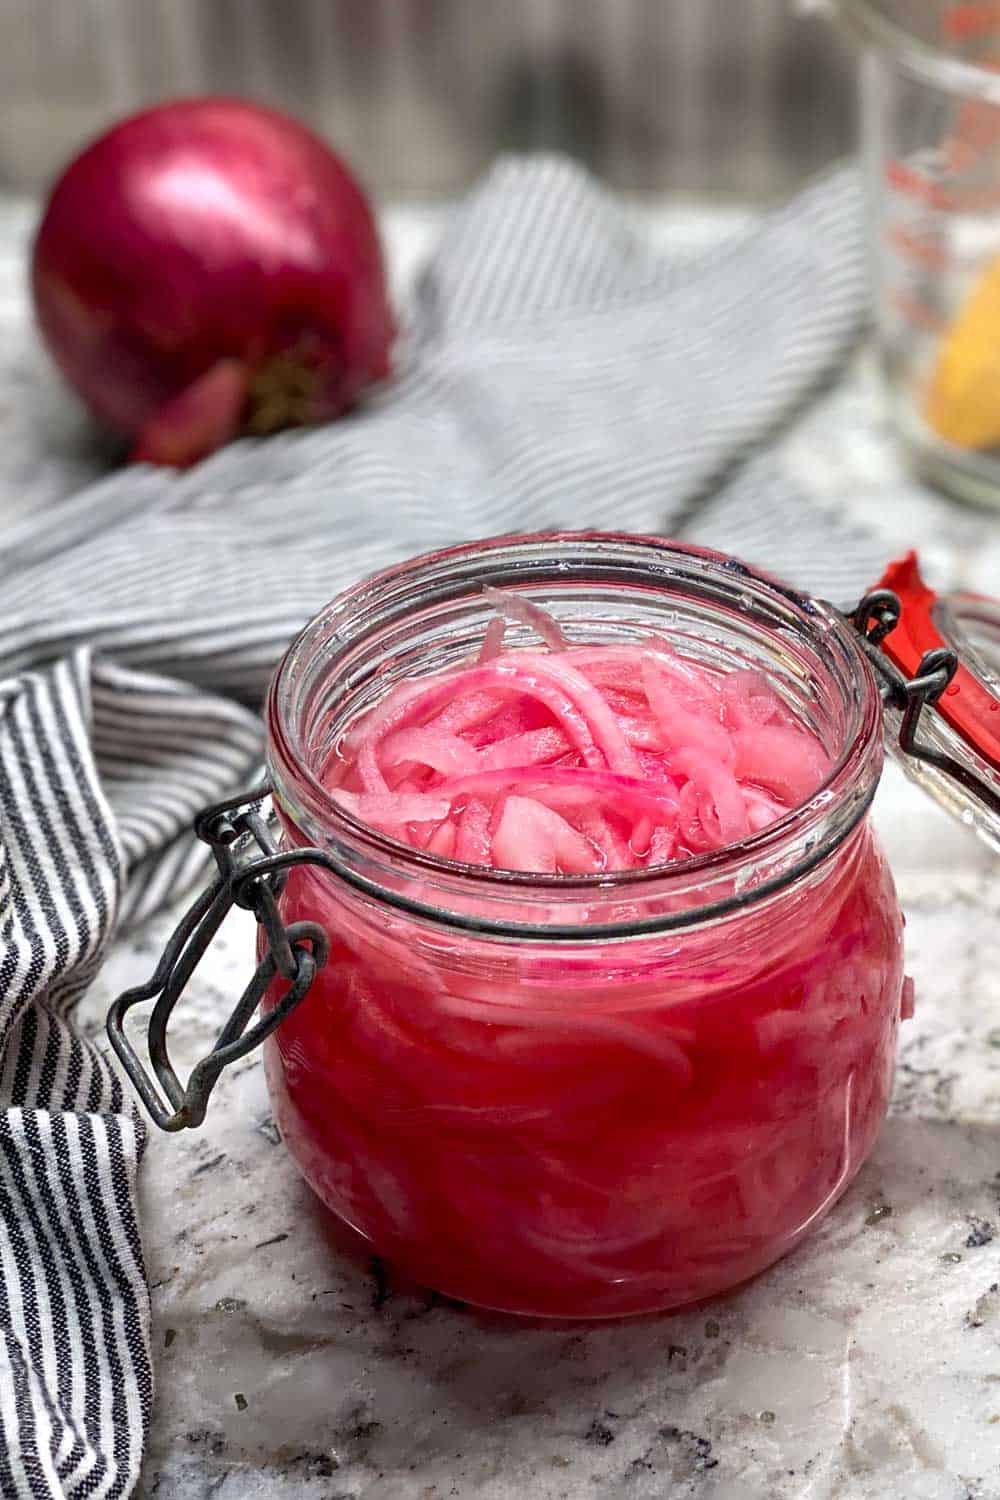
(866, 1365)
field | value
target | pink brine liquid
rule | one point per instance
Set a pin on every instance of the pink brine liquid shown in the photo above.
(573, 1129)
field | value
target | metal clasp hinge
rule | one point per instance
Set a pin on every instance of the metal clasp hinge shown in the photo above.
(251, 874)
(875, 617)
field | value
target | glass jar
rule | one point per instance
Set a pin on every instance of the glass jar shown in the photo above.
(930, 105)
(600, 1095)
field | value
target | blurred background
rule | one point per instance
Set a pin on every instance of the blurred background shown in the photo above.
(728, 97)
(695, 109)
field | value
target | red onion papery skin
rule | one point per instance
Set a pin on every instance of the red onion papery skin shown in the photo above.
(216, 242)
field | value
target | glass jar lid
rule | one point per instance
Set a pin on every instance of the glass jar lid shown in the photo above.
(938, 658)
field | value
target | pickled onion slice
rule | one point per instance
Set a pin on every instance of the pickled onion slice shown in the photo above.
(721, 806)
(659, 1042)
(468, 711)
(662, 843)
(531, 836)
(436, 749)
(604, 729)
(616, 851)
(443, 840)
(528, 749)
(747, 700)
(391, 809)
(682, 727)
(787, 762)
(576, 759)
(564, 787)
(472, 844)
(522, 609)
(492, 641)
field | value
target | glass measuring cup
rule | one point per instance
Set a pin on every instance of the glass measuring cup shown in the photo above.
(930, 94)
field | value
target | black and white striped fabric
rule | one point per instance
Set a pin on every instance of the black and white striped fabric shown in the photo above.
(556, 373)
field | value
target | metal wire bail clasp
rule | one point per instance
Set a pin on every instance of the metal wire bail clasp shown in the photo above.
(876, 617)
(251, 873)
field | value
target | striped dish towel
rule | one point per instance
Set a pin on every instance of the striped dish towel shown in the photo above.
(556, 373)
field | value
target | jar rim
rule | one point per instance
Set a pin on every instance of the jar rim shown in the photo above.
(819, 825)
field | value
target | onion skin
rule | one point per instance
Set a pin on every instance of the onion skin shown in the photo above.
(213, 241)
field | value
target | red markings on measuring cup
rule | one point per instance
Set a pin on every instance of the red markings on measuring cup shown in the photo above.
(913, 311)
(919, 247)
(946, 198)
(977, 126)
(968, 200)
(906, 179)
(962, 22)
(959, 155)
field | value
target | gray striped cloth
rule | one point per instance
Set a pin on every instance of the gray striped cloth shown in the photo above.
(555, 373)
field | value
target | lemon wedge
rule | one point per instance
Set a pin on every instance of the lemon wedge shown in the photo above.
(963, 398)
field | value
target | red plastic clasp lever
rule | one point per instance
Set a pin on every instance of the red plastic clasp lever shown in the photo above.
(967, 705)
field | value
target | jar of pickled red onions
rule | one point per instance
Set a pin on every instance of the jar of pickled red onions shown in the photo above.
(587, 1082)
(580, 967)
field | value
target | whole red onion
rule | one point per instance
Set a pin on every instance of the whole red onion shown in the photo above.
(208, 267)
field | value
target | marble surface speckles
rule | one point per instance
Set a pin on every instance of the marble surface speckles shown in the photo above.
(865, 1366)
